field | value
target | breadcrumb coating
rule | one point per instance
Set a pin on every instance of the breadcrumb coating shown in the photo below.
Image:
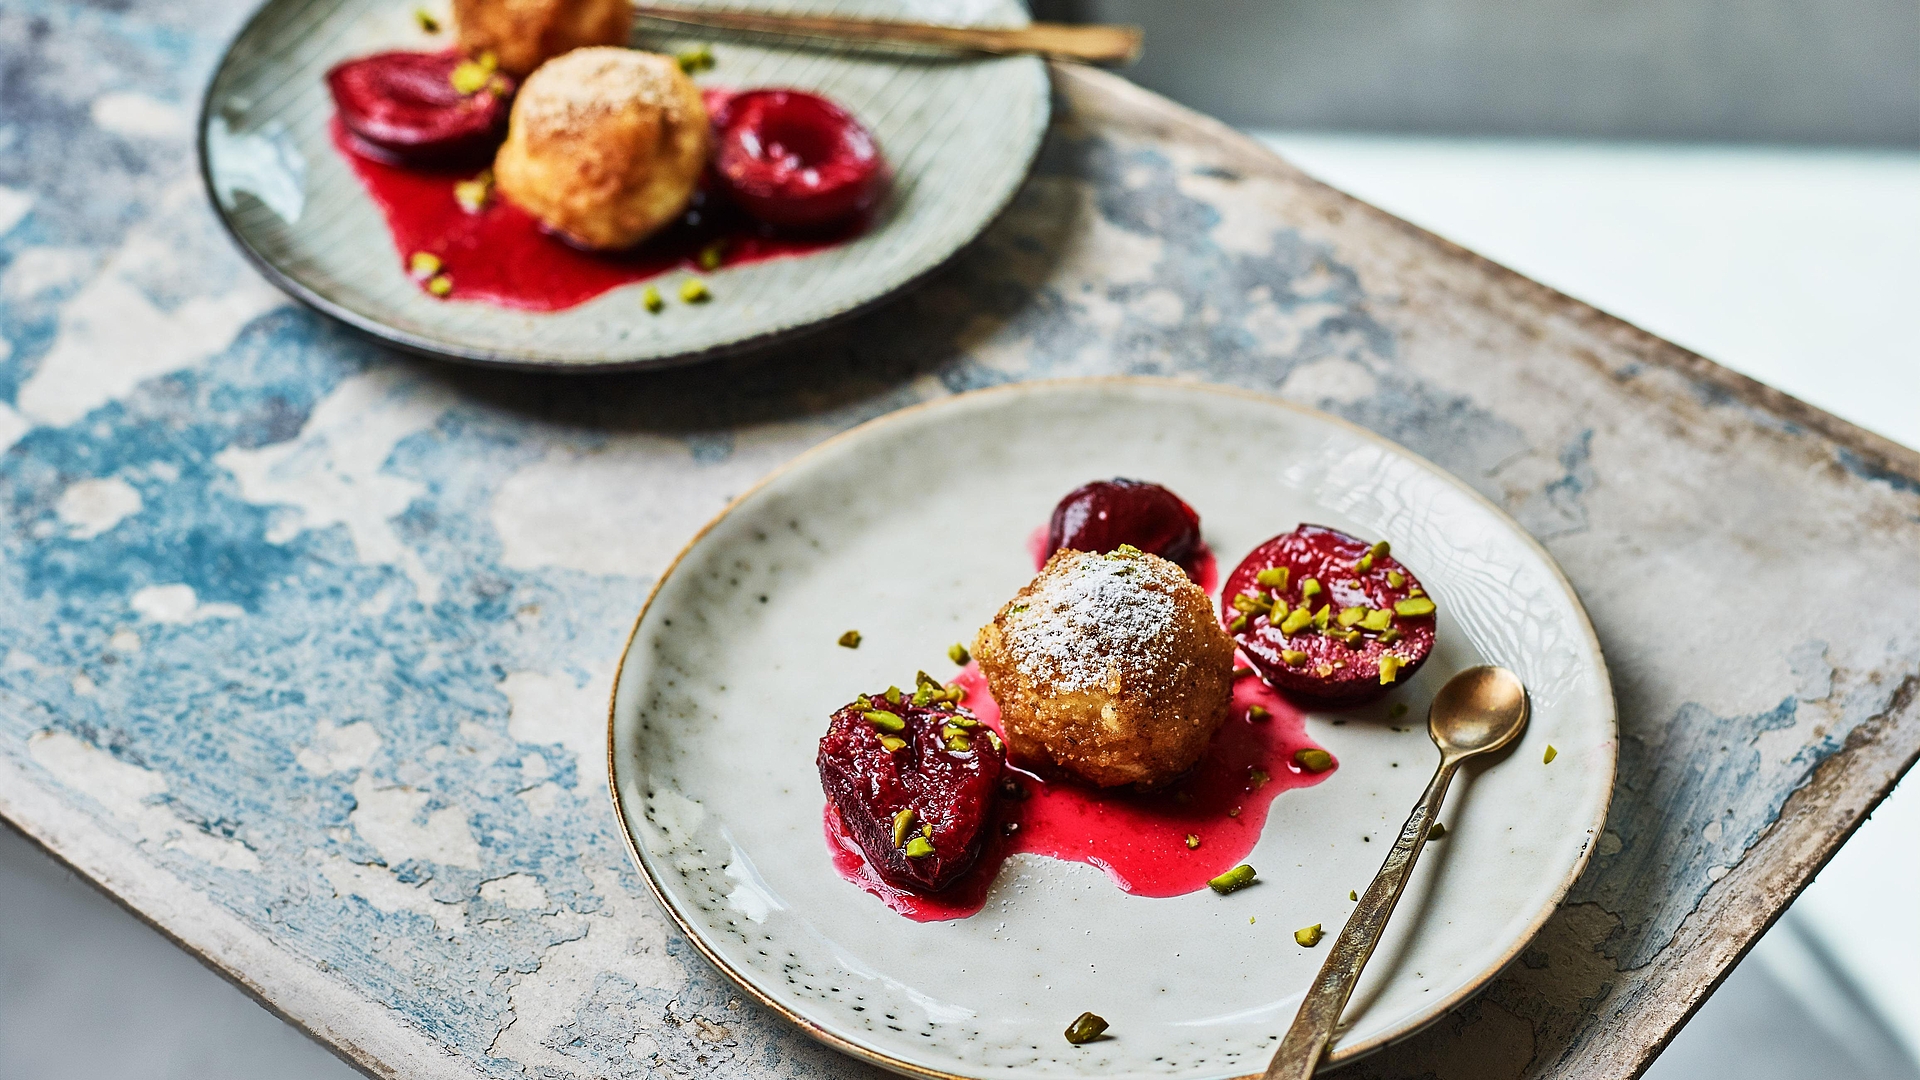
(1111, 668)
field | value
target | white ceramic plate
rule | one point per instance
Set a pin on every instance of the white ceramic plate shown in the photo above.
(913, 529)
(960, 136)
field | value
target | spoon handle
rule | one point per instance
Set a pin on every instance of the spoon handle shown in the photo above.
(1096, 44)
(1313, 1026)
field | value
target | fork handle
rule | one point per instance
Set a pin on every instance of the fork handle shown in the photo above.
(1312, 1029)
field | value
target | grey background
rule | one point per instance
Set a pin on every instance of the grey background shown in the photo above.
(1831, 72)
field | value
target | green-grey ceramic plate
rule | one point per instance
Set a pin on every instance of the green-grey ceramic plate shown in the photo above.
(960, 136)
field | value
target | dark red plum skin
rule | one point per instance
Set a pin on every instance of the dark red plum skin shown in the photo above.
(795, 160)
(401, 108)
(1328, 556)
(953, 791)
(1105, 514)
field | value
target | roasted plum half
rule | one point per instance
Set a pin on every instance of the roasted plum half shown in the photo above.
(1103, 515)
(423, 109)
(913, 778)
(1328, 617)
(796, 160)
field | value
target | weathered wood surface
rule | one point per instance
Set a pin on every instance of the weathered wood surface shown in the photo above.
(306, 643)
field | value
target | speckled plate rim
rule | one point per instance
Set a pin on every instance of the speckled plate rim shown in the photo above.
(1342, 1054)
(523, 361)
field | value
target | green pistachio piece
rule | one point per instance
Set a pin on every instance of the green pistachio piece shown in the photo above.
(1390, 668)
(885, 721)
(1350, 616)
(1364, 564)
(1309, 936)
(902, 824)
(1233, 880)
(918, 848)
(1257, 712)
(1085, 1028)
(893, 694)
(1550, 755)
(1322, 617)
(1238, 625)
(1396, 579)
(1273, 577)
(1249, 603)
(1313, 759)
(1413, 606)
(1379, 550)
(1309, 588)
(891, 744)
(1292, 656)
(1193, 841)
(1296, 621)
(957, 653)
(1377, 619)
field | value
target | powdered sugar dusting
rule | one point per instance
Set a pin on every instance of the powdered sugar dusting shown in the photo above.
(1090, 617)
(569, 91)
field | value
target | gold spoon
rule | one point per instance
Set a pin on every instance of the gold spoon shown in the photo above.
(1479, 711)
(1092, 44)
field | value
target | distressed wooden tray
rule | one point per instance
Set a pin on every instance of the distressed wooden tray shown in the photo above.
(307, 643)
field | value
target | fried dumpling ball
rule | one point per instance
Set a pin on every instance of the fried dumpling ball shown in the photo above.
(1111, 668)
(523, 34)
(605, 146)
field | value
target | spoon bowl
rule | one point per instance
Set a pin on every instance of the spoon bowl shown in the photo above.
(1478, 711)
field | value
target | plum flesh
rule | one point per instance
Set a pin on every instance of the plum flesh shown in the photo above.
(1323, 660)
(937, 766)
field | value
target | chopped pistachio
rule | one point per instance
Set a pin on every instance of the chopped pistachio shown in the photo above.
(1551, 754)
(698, 58)
(423, 265)
(1379, 550)
(1377, 619)
(957, 653)
(892, 744)
(472, 195)
(440, 285)
(902, 824)
(994, 741)
(1350, 616)
(1353, 894)
(885, 721)
(470, 76)
(956, 692)
(694, 291)
(1296, 621)
(1313, 759)
(710, 256)
(1396, 579)
(963, 722)
(1364, 564)
(1238, 625)
(862, 702)
(850, 639)
(923, 695)
(1353, 583)
(1242, 672)
(1413, 606)
(1273, 577)
(1322, 617)
(1233, 880)
(426, 20)
(1416, 591)
(1323, 670)
(1193, 841)
(1309, 936)
(1390, 665)
(1309, 588)
(921, 678)
(1258, 776)
(1128, 551)
(1292, 656)
(959, 744)
(1390, 635)
(1016, 609)
(1085, 1028)
(1438, 832)
(1277, 614)
(1257, 712)
(893, 694)
(1249, 603)
(918, 848)
(651, 299)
